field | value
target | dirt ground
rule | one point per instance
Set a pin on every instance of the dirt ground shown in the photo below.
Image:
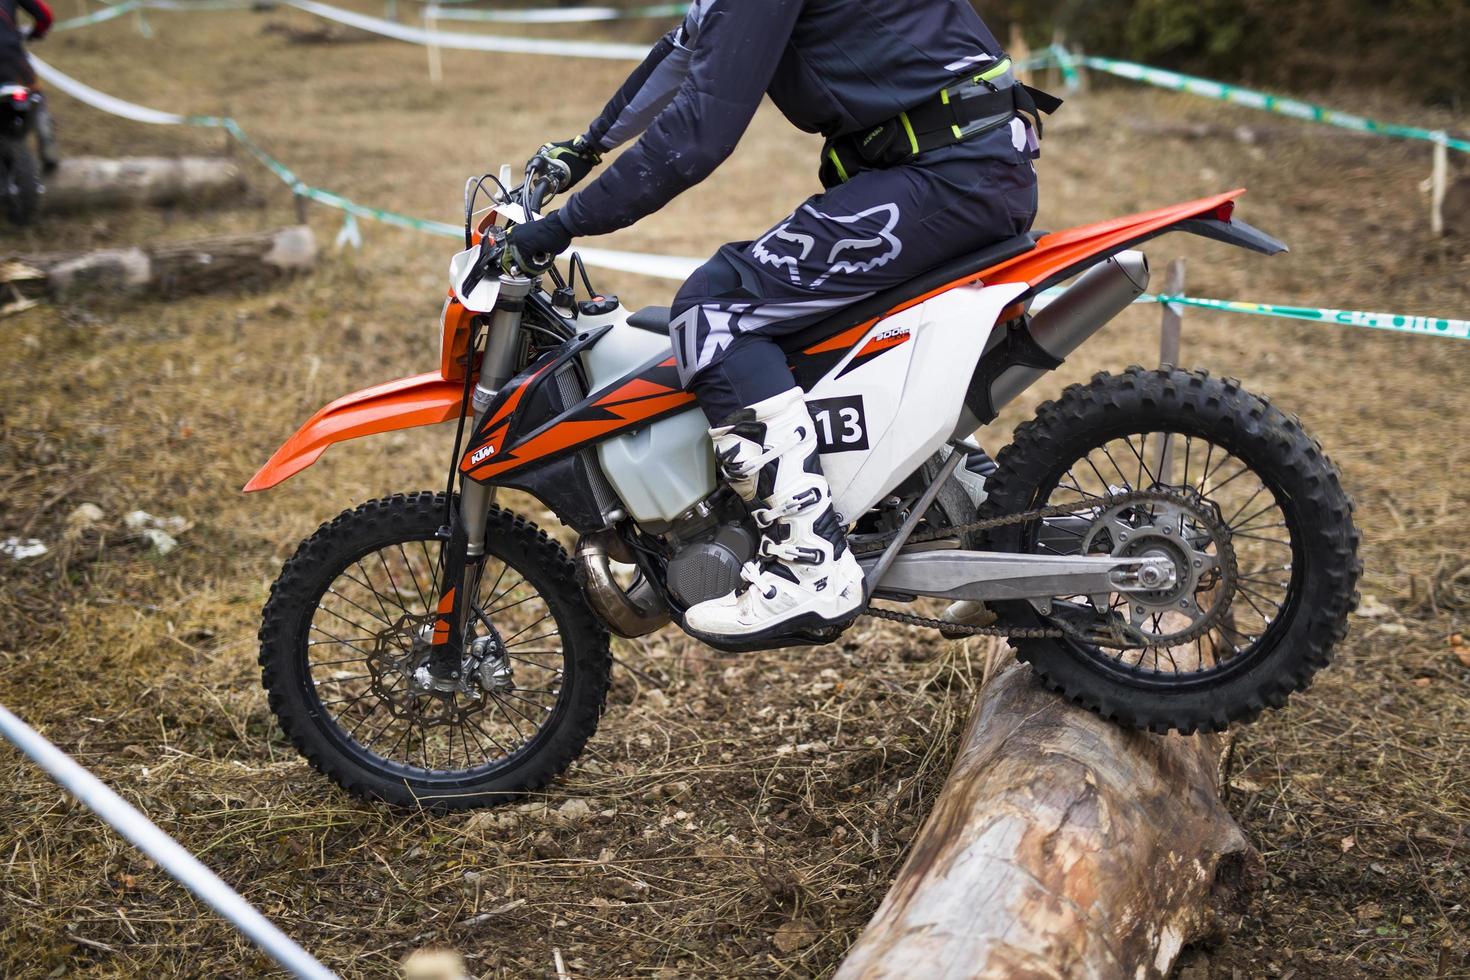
(744, 814)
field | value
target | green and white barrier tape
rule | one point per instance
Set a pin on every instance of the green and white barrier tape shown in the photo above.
(1421, 325)
(98, 16)
(1251, 99)
(451, 10)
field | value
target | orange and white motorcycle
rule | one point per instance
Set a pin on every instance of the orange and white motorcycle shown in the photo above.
(1160, 545)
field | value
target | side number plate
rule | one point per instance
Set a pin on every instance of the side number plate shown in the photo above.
(842, 426)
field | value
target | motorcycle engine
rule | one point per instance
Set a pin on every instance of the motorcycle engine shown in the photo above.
(708, 566)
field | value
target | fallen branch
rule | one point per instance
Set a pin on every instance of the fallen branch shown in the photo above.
(1061, 846)
(91, 183)
(202, 266)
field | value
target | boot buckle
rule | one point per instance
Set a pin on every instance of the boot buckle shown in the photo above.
(790, 507)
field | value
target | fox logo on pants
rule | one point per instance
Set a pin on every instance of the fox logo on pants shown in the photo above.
(871, 245)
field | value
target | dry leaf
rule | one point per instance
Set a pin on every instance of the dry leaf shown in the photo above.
(1348, 843)
(794, 935)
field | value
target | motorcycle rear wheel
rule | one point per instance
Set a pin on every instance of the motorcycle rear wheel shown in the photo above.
(1294, 562)
(20, 182)
(349, 622)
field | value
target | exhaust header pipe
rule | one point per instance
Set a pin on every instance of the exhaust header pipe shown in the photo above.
(1020, 355)
(630, 613)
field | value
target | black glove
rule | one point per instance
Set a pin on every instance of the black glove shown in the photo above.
(575, 155)
(535, 245)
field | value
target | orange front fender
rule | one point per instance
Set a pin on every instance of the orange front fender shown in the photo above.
(424, 399)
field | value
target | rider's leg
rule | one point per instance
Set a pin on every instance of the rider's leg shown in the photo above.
(805, 574)
(878, 230)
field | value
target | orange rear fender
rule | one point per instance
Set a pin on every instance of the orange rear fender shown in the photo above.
(1059, 253)
(425, 399)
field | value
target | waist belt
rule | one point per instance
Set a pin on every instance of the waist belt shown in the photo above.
(975, 105)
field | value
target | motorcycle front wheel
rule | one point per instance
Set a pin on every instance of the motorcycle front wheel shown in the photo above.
(1259, 507)
(350, 622)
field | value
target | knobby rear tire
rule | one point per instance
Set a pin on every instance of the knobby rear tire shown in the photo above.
(1288, 460)
(23, 190)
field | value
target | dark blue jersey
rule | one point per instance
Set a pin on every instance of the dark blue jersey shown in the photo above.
(831, 66)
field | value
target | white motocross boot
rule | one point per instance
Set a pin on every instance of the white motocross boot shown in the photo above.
(805, 576)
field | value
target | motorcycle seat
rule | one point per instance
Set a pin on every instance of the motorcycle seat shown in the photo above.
(655, 319)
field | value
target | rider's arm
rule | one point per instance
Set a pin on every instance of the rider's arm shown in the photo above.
(40, 13)
(644, 95)
(732, 60)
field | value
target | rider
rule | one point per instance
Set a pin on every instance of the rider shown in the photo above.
(930, 143)
(16, 67)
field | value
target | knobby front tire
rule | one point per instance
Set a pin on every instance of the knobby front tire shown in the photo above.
(349, 620)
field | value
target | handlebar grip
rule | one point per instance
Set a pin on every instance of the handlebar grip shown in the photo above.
(540, 191)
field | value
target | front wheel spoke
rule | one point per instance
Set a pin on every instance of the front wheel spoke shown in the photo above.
(533, 639)
(332, 590)
(535, 704)
(367, 584)
(313, 664)
(507, 591)
(503, 706)
(352, 700)
(350, 644)
(524, 629)
(518, 602)
(412, 576)
(493, 740)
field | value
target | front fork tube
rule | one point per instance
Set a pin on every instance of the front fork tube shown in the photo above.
(464, 552)
(464, 558)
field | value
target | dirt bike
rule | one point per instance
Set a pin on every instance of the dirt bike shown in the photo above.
(19, 176)
(1161, 546)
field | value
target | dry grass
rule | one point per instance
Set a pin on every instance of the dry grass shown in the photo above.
(726, 798)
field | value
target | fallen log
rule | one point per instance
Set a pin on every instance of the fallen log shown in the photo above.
(1061, 846)
(92, 183)
(228, 262)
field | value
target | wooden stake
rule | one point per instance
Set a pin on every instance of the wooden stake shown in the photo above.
(436, 66)
(1020, 51)
(1439, 185)
(1170, 339)
(1055, 76)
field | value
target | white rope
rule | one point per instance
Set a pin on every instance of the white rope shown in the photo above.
(473, 42)
(185, 868)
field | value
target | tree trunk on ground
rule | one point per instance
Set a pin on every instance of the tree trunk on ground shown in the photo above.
(205, 265)
(1061, 846)
(91, 183)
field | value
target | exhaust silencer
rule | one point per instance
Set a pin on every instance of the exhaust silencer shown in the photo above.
(1017, 357)
(632, 612)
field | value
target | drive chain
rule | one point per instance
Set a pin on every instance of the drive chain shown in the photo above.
(1096, 504)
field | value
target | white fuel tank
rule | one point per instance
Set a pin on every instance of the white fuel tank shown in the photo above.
(661, 470)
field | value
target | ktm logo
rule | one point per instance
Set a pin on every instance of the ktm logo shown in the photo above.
(480, 455)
